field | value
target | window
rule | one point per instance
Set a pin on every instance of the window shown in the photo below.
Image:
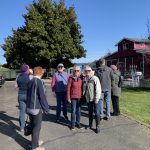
(125, 46)
(142, 44)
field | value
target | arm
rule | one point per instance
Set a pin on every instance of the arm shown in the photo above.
(42, 96)
(69, 89)
(98, 90)
(53, 83)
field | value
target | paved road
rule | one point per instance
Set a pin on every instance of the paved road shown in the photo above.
(119, 133)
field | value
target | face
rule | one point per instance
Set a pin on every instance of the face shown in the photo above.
(88, 72)
(76, 72)
(60, 68)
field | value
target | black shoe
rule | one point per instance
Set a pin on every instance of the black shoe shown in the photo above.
(66, 117)
(97, 130)
(107, 118)
(57, 121)
(79, 126)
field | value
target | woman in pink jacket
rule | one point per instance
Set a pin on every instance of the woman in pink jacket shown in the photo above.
(74, 90)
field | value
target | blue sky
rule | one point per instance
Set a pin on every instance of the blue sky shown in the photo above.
(103, 22)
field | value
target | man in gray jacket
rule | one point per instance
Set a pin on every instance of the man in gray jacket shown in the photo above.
(105, 76)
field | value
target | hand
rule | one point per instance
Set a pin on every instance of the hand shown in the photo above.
(54, 94)
(69, 100)
(96, 101)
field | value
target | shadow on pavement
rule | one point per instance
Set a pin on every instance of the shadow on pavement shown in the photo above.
(7, 127)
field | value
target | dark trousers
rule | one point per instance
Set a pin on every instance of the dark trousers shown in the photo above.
(61, 99)
(94, 108)
(36, 121)
(115, 104)
(75, 112)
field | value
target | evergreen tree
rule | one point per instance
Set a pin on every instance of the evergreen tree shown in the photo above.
(51, 34)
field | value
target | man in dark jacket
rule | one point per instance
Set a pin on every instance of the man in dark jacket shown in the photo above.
(105, 76)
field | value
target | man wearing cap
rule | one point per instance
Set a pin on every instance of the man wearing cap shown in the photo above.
(59, 87)
(105, 76)
(22, 82)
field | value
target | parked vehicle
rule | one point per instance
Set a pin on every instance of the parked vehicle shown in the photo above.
(2, 79)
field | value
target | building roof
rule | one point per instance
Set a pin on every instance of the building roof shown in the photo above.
(134, 40)
(143, 51)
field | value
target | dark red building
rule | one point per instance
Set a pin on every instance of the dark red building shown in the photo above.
(131, 53)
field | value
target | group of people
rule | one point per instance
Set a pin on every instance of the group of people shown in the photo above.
(91, 88)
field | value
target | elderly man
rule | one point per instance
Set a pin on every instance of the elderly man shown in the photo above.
(105, 76)
(59, 86)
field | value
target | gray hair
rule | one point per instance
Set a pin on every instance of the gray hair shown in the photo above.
(76, 68)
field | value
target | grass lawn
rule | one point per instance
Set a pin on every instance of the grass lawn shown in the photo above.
(135, 103)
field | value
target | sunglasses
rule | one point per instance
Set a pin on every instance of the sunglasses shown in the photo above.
(76, 70)
(60, 67)
(87, 70)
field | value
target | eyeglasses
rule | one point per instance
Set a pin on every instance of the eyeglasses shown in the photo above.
(87, 70)
(76, 70)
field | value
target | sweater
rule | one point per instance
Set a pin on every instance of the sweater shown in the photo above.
(105, 76)
(40, 102)
(22, 83)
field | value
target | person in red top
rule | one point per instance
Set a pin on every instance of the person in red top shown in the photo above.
(74, 90)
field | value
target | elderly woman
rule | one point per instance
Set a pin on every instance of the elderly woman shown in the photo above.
(36, 105)
(74, 91)
(22, 81)
(92, 93)
(116, 90)
(59, 87)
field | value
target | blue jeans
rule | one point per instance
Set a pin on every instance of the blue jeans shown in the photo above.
(106, 96)
(75, 112)
(61, 99)
(22, 108)
(94, 108)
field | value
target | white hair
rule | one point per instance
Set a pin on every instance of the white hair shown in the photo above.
(76, 68)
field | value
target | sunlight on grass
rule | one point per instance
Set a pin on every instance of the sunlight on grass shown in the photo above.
(135, 103)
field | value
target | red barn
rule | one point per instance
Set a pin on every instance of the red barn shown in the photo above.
(131, 53)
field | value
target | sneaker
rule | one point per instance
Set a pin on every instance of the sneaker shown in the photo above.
(21, 130)
(79, 126)
(72, 128)
(39, 148)
(40, 143)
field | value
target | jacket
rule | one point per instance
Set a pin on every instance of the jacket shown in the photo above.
(74, 88)
(105, 76)
(59, 82)
(91, 88)
(36, 88)
(22, 83)
(116, 84)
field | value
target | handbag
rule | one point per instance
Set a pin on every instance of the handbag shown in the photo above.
(28, 128)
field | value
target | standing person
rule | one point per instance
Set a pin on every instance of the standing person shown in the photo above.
(105, 76)
(59, 86)
(36, 105)
(116, 90)
(74, 91)
(92, 93)
(22, 81)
